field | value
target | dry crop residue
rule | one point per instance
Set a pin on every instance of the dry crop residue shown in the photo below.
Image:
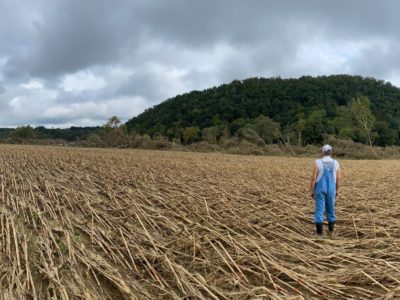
(125, 224)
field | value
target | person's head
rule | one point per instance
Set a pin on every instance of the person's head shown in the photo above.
(326, 150)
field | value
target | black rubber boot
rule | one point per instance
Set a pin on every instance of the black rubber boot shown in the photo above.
(319, 228)
(331, 226)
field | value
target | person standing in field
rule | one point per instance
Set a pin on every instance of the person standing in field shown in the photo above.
(324, 187)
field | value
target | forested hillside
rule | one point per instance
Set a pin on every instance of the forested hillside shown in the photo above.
(270, 110)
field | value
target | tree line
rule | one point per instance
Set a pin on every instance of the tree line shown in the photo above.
(274, 110)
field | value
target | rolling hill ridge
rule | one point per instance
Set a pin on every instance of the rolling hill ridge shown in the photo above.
(304, 110)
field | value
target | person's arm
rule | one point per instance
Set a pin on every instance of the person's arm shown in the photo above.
(313, 179)
(338, 181)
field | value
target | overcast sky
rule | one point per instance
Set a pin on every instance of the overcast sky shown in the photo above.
(78, 62)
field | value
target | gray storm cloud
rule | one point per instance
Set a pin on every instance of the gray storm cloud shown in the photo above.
(78, 62)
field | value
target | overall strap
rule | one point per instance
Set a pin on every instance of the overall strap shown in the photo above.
(329, 166)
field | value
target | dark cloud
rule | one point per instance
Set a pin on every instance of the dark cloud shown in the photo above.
(150, 84)
(74, 35)
(60, 60)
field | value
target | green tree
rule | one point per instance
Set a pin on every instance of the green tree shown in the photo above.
(94, 140)
(158, 130)
(299, 127)
(216, 120)
(315, 125)
(236, 124)
(266, 128)
(191, 134)
(344, 123)
(365, 120)
(210, 134)
(174, 133)
(24, 132)
(214, 134)
(385, 135)
(250, 135)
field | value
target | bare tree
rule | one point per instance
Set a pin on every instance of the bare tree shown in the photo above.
(113, 122)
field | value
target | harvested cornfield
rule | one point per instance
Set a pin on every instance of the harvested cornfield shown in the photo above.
(124, 224)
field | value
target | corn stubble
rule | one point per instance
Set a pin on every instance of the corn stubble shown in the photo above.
(115, 224)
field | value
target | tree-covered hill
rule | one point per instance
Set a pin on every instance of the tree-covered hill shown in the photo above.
(71, 134)
(269, 110)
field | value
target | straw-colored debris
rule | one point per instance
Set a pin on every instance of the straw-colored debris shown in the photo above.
(124, 224)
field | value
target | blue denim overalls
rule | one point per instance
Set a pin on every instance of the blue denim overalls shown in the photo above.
(324, 194)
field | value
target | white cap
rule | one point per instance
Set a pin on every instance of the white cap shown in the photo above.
(326, 148)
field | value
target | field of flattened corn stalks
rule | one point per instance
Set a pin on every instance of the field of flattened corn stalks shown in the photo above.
(124, 224)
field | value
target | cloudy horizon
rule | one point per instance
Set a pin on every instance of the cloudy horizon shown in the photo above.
(76, 63)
